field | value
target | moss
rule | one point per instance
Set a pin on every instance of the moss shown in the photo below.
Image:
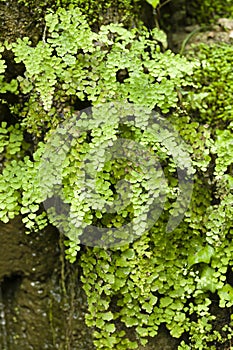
(206, 11)
(97, 12)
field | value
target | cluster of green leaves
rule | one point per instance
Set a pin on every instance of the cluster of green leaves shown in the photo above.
(209, 103)
(161, 277)
(4, 85)
(169, 278)
(211, 100)
(207, 11)
(64, 67)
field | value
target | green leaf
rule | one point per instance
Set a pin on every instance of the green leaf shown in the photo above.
(164, 302)
(148, 307)
(207, 280)
(153, 3)
(128, 254)
(143, 332)
(110, 327)
(203, 255)
(130, 321)
(100, 323)
(107, 316)
(226, 295)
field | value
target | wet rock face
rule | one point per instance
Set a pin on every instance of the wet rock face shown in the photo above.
(26, 266)
(27, 255)
(35, 311)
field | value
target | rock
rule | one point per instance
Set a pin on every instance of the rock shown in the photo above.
(35, 311)
(225, 23)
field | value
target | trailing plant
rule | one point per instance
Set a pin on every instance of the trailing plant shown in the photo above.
(57, 68)
(211, 100)
(56, 73)
(163, 276)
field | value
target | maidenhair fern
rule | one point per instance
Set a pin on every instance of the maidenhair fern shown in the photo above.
(162, 274)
